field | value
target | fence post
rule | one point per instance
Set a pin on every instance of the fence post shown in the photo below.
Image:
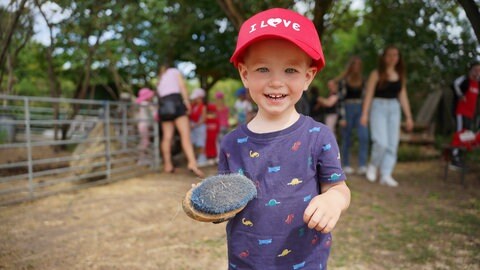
(106, 125)
(29, 146)
(156, 143)
(124, 126)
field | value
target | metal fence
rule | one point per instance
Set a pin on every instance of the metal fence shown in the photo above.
(50, 145)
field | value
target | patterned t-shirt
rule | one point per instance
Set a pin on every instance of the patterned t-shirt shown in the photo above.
(287, 167)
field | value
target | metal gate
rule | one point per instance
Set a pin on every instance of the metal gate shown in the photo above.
(50, 145)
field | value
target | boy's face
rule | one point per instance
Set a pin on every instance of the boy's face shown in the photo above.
(276, 72)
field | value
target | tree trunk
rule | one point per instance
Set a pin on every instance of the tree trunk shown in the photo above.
(11, 76)
(10, 30)
(319, 11)
(233, 12)
(52, 76)
(473, 15)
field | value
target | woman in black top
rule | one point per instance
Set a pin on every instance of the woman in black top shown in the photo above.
(386, 95)
(351, 91)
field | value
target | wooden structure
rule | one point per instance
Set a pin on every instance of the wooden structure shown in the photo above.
(424, 129)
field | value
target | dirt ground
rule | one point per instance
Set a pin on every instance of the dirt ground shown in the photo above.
(426, 223)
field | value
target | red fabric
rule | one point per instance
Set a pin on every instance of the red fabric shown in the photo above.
(466, 105)
(196, 113)
(280, 23)
(213, 128)
(460, 140)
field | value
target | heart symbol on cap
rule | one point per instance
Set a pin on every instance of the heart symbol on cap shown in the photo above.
(274, 21)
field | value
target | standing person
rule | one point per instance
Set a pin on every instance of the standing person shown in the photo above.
(223, 114)
(144, 118)
(213, 129)
(173, 95)
(316, 111)
(466, 94)
(198, 116)
(351, 85)
(386, 92)
(292, 159)
(303, 105)
(331, 106)
(243, 107)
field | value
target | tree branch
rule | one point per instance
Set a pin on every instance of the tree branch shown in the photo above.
(473, 15)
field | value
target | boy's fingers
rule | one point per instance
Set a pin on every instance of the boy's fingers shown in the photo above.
(316, 219)
(330, 225)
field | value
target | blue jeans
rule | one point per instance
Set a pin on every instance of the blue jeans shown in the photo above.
(385, 116)
(353, 112)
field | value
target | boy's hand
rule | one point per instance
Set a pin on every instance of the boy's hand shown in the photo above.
(322, 213)
(324, 210)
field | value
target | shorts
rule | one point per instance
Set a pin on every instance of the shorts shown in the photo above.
(199, 135)
(177, 101)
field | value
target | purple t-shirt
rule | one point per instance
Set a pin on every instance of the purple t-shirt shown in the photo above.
(287, 168)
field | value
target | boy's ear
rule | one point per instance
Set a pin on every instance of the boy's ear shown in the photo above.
(242, 70)
(309, 76)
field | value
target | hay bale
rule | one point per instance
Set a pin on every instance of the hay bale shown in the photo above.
(89, 153)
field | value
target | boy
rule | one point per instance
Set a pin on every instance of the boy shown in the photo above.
(293, 160)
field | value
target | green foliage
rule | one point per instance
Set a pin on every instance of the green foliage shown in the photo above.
(3, 136)
(125, 41)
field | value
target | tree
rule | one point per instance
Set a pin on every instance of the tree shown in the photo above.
(473, 14)
(16, 30)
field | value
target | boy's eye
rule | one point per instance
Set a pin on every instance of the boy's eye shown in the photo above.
(262, 69)
(290, 70)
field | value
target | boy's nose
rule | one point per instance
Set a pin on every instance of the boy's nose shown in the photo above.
(276, 80)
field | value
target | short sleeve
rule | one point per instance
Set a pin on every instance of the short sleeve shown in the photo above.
(329, 165)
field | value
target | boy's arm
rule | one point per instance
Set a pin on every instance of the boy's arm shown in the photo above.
(324, 210)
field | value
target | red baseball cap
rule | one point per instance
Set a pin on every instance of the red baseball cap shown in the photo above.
(280, 23)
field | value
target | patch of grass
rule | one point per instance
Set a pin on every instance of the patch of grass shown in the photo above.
(408, 152)
(378, 208)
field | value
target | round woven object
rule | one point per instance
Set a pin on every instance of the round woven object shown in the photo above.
(219, 198)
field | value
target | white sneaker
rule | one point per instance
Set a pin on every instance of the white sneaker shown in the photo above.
(362, 170)
(348, 170)
(371, 173)
(202, 161)
(388, 181)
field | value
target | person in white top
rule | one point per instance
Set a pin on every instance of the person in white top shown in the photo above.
(144, 118)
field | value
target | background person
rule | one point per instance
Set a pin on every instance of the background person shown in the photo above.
(351, 86)
(198, 116)
(331, 106)
(223, 114)
(316, 110)
(243, 106)
(171, 88)
(386, 92)
(466, 89)
(145, 114)
(213, 129)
